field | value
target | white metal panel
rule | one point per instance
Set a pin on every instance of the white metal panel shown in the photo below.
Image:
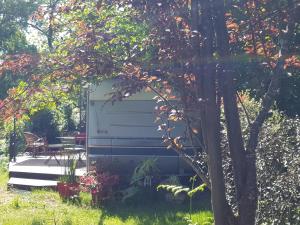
(102, 92)
(125, 119)
(131, 118)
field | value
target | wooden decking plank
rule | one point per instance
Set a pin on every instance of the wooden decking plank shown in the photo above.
(32, 182)
(45, 170)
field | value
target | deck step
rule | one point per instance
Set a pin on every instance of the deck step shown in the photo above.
(29, 172)
(54, 171)
(22, 182)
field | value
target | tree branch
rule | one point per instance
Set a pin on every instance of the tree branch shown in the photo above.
(37, 28)
(244, 108)
(267, 102)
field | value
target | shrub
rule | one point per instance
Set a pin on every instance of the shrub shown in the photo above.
(99, 184)
(145, 172)
(3, 164)
(44, 124)
(142, 180)
(278, 160)
(69, 121)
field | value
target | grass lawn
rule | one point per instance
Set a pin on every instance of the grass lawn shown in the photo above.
(45, 207)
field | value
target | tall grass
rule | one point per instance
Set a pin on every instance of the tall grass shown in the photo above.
(3, 171)
(45, 207)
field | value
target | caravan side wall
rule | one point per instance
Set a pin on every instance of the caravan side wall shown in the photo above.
(123, 134)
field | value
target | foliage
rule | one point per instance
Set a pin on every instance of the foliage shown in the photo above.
(64, 179)
(100, 185)
(85, 199)
(277, 165)
(8, 133)
(145, 172)
(69, 121)
(278, 171)
(16, 55)
(177, 189)
(88, 182)
(142, 179)
(16, 202)
(196, 49)
(67, 185)
(3, 171)
(3, 164)
(96, 182)
(43, 124)
(71, 170)
(258, 18)
(198, 46)
(69, 176)
(13, 18)
(119, 37)
(191, 42)
(37, 221)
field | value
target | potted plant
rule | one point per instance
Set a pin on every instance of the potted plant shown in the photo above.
(67, 186)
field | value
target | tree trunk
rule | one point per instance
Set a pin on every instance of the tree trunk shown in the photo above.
(212, 141)
(244, 169)
(212, 119)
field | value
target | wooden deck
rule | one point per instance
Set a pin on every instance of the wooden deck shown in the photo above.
(28, 172)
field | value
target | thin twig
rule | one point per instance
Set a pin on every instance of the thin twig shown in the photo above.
(244, 108)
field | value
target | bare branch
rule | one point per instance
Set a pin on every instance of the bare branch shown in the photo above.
(244, 108)
(267, 103)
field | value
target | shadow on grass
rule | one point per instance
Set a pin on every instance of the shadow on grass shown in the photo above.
(152, 210)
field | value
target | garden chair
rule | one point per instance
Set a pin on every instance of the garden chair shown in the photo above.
(34, 144)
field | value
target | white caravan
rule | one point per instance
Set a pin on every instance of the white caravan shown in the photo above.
(121, 135)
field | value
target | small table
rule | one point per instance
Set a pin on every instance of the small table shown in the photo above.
(53, 149)
(70, 146)
(72, 139)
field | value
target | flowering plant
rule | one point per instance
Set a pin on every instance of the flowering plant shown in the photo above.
(99, 184)
(89, 183)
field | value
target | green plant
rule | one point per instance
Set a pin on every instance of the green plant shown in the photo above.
(37, 221)
(67, 221)
(145, 172)
(3, 164)
(173, 179)
(69, 121)
(14, 139)
(70, 171)
(72, 164)
(277, 165)
(63, 179)
(85, 199)
(99, 184)
(176, 189)
(16, 202)
(44, 124)
(142, 178)
(68, 187)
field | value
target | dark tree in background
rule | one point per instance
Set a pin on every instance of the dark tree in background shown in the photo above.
(44, 124)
